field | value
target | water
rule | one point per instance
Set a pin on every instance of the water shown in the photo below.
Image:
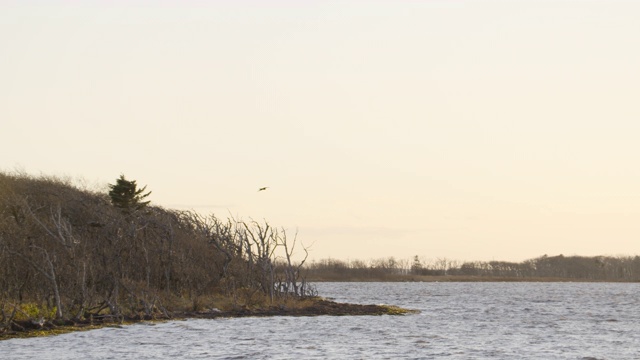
(457, 321)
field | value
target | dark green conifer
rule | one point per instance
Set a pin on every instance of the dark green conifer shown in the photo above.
(126, 195)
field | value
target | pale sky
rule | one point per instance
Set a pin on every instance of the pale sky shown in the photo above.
(472, 130)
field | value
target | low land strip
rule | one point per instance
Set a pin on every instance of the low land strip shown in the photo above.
(448, 278)
(307, 307)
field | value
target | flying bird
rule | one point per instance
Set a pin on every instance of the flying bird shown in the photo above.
(263, 188)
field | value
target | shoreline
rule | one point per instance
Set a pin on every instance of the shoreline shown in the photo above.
(319, 307)
(453, 278)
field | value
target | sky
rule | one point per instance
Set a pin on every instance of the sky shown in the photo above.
(471, 130)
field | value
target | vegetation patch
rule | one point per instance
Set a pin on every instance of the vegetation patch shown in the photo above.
(74, 256)
(75, 259)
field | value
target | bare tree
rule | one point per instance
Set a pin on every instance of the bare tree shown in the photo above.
(292, 270)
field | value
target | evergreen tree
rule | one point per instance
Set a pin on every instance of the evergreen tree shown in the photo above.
(126, 195)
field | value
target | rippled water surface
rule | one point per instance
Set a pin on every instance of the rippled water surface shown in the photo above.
(457, 321)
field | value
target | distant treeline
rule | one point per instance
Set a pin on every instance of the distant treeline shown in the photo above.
(68, 253)
(597, 268)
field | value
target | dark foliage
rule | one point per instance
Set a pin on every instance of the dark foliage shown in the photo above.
(126, 195)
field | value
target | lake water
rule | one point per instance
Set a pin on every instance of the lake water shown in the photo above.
(457, 321)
